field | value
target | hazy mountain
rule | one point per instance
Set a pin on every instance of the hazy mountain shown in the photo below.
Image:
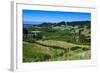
(34, 22)
(47, 24)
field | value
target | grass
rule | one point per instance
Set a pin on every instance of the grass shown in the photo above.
(34, 52)
(59, 35)
(60, 44)
(66, 35)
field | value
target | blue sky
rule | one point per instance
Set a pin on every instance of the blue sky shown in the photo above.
(35, 17)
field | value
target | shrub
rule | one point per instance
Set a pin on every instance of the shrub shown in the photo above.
(79, 49)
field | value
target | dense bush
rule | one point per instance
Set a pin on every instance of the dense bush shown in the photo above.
(79, 49)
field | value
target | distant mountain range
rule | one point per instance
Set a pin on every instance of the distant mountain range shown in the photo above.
(34, 22)
(47, 24)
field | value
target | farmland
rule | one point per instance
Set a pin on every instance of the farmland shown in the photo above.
(57, 41)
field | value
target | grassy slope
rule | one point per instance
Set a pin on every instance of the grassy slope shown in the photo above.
(66, 35)
(61, 35)
(61, 44)
(34, 52)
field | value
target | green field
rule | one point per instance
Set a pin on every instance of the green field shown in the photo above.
(57, 43)
(43, 51)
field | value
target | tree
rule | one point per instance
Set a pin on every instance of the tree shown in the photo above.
(25, 33)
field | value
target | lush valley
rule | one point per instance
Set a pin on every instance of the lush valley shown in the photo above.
(57, 41)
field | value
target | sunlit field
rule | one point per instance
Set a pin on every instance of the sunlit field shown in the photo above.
(57, 41)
